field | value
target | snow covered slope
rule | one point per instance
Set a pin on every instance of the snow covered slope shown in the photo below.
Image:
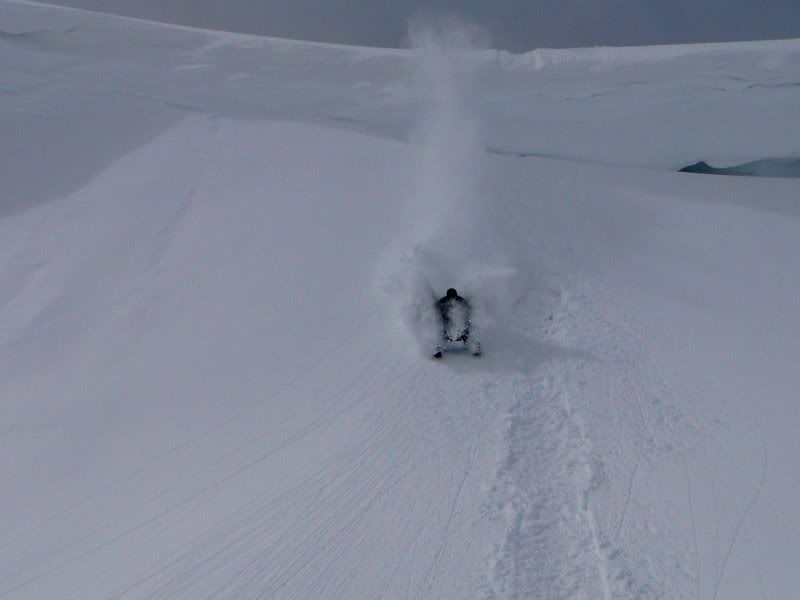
(212, 382)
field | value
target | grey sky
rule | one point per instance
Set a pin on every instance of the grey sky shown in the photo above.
(516, 25)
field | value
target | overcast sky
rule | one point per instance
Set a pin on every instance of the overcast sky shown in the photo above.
(516, 25)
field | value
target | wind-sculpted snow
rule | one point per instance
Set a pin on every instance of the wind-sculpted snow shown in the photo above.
(218, 261)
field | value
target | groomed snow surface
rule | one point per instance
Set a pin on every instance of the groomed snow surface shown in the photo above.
(216, 255)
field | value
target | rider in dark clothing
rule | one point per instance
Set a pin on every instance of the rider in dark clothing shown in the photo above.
(454, 312)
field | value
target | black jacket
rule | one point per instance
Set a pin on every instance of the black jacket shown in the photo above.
(446, 306)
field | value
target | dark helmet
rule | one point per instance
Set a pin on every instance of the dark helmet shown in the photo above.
(452, 293)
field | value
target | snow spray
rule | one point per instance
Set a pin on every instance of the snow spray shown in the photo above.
(458, 235)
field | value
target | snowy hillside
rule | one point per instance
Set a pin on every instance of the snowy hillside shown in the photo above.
(214, 249)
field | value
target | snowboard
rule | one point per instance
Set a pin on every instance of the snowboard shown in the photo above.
(475, 350)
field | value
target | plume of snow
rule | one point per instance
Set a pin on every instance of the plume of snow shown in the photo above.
(460, 235)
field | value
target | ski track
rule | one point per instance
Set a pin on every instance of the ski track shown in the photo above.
(556, 545)
(191, 441)
(743, 518)
(335, 503)
(420, 449)
(106, 530)
(542, 489)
